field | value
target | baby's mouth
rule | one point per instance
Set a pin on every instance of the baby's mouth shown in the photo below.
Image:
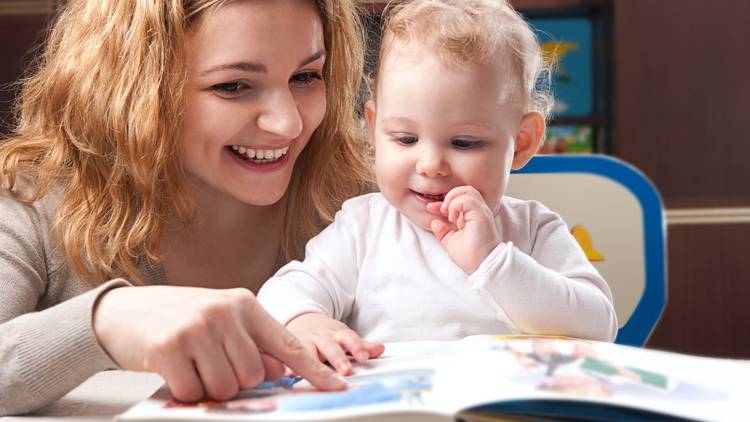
(435, 197)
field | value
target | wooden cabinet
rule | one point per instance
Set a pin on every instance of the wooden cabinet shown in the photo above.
(683, 97)
(707, 310)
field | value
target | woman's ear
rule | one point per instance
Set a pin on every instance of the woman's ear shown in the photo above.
(370, 120)
(528, 139)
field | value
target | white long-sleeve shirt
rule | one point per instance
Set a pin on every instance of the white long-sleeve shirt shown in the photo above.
(390, 280)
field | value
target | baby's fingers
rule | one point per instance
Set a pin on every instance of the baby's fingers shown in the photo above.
(453, 194)
(463, 205)
(374, 349)
(440, 228)
(434, 208)
(332, 351)
(459, 192)
(353, 343)
(457, 208)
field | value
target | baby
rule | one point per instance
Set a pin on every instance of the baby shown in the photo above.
(439, 253)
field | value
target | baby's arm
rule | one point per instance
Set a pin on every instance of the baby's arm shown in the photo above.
(312, 297)
(550, 289)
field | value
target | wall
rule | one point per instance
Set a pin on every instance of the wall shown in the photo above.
(682, 95)
(22, 25)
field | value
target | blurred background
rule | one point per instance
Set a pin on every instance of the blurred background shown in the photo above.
(660, 84)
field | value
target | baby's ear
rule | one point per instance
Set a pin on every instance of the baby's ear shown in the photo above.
(528, 139)
(370, 120)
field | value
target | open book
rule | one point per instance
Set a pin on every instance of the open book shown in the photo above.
(493, 378)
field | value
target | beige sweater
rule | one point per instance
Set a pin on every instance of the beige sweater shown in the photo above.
(47, 342)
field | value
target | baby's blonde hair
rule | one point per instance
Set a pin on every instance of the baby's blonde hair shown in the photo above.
(99, 121)
(474, 31)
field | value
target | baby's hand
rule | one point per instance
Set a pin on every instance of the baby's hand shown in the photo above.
(471, 234)
(332, 339)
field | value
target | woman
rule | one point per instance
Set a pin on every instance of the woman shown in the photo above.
(164, 151)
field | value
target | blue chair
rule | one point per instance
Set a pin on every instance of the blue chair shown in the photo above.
(616, 214)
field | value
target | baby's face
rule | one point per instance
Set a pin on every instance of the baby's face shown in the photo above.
(436, 127)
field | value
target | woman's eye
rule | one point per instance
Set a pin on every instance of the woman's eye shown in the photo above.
(465, 143)
(405, 140)
(231, 89)
(307, 78)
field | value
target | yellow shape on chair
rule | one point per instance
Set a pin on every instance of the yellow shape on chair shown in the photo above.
(583, 238)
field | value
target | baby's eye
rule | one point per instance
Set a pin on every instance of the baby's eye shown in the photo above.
(230, 89)
(405, 139)
(307, 78)
(465, 143)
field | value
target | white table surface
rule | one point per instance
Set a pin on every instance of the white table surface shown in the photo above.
(100, 398)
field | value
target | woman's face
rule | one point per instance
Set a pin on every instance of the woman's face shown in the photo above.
(254, 96)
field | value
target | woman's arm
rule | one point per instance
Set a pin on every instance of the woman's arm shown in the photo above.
(54, 334)
(44, 353)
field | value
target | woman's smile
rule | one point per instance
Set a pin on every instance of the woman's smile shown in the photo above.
(259, 160)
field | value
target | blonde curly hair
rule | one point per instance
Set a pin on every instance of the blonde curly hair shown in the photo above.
(97, 119)
(474, 31)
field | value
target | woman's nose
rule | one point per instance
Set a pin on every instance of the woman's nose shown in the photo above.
(281, 116)
(431, 163)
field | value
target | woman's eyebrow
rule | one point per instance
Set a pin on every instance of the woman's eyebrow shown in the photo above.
(313, 58)
(258, 67)
(243, 66)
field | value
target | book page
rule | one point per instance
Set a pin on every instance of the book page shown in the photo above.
(529, 376)
(573, 371)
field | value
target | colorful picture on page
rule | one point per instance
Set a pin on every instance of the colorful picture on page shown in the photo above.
(574, 368)
(405, 386)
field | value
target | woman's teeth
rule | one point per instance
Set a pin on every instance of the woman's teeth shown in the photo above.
(259, 155)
